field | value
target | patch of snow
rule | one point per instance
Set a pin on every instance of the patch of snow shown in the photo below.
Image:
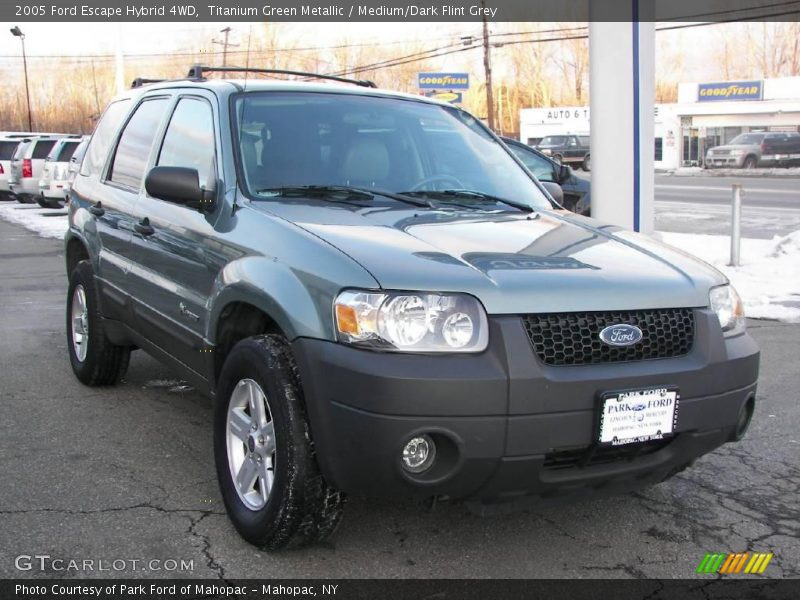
(768, 280)
(47, 222)
(722, 172)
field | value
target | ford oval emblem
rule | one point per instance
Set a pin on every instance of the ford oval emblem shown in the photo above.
(621, 335)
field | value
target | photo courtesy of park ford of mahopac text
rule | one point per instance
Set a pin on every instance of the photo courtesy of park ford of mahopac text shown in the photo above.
(388, 299)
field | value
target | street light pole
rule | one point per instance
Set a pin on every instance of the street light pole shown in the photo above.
(17, 32)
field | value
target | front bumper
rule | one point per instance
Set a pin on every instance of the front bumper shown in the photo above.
(724, 161)
(505, 424)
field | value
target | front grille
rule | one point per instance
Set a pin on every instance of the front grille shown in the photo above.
(578, 458)
(574, 338)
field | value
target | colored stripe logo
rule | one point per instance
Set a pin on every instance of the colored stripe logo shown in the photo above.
(730, 564)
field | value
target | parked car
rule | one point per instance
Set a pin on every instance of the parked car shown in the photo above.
(75, 164)
(8, 146)
(382, 301)
(576, 191)
(756, 149)
(53, 186)
(27, 165)
(567, 149)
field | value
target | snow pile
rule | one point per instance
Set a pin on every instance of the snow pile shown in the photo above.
(47, 222)
(725, 172)
(768, 279)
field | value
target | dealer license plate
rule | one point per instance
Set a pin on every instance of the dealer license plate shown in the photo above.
(637, 416)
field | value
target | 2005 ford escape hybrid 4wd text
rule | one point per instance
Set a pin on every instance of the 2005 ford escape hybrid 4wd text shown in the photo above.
(382, 300)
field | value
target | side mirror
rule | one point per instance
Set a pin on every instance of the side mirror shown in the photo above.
(179, 185)
(564, 173)
(555, 191)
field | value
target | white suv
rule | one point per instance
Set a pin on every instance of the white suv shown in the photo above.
(54, 184)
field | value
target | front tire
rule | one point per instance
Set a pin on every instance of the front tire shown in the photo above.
(587, 163)
(265, 457)
(750, 162)
(94, 359)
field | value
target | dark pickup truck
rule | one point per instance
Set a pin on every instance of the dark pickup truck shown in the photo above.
(567, 149)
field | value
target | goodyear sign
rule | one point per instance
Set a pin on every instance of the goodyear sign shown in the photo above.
(443, 81)
(451, 97)
(730, 90)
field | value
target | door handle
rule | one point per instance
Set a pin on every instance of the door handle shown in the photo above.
(97, 210)
(144, 228)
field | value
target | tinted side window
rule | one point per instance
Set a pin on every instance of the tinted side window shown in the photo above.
(539, 166)
(66, 152)
(135, 142)
(7, 150)
(42, 148)
(103, 137)
(189, 141)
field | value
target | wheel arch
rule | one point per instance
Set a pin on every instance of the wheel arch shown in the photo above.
(76, 250)
(256, 295)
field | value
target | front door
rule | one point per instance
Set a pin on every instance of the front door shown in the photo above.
(175, 259)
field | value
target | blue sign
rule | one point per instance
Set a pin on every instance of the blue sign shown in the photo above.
(443, 81)
(730, 90)
(451, 97)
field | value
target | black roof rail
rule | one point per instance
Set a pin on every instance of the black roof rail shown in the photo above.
(196, 72)
(140, 81)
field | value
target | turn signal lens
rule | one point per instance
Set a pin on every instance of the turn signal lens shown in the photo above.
(346, 320)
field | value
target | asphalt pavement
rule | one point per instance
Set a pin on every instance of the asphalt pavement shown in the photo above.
(700, 204)
(126, 474)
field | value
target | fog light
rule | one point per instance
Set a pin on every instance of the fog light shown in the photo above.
(418, 454)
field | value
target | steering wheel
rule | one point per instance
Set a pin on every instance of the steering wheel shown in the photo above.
(442, 177)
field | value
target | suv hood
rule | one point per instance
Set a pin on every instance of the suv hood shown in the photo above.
(551, 261)
(728, 147)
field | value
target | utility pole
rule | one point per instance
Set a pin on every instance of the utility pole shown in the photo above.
(225, 43)
(487, 67)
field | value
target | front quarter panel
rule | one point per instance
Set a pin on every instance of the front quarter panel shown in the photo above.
(286, 272)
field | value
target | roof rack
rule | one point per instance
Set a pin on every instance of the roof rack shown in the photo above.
(196, 72)
(140, 81)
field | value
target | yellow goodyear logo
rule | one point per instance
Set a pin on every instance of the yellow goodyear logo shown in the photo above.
(737, 563)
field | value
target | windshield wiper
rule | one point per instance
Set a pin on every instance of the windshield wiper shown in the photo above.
(473, 194)
(326, 191)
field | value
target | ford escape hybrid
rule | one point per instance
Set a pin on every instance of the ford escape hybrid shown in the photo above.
(382, 300)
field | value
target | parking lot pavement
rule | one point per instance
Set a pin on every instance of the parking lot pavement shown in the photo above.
(126, 473)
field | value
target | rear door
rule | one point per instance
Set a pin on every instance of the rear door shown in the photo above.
(177, 260)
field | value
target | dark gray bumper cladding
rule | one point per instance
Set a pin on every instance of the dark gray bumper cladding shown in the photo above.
(507, 425)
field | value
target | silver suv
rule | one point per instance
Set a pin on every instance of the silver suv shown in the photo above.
(756, 149)
(27, 166)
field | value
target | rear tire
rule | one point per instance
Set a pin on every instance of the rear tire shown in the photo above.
(94, 359)
(587, 163)
(270, 481)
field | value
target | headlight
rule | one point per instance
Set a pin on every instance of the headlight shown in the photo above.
(726, 303)
(737, 152)
(411, 321)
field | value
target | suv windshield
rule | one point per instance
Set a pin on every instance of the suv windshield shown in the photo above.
(747, 138)
(372, 143)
